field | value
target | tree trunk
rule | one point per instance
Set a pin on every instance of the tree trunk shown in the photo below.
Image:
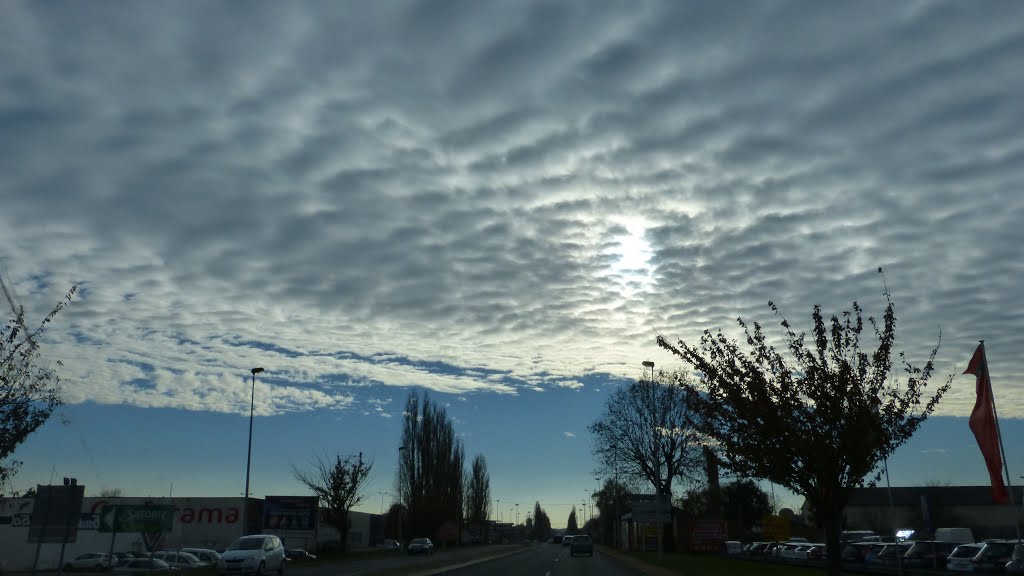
(829, 516)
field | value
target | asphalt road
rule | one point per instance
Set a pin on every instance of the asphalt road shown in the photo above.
(547, 560)
(399, 562)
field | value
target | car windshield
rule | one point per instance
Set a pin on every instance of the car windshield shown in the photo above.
(420, 541)
(247, 544)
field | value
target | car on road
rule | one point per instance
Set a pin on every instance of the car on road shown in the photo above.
(93, 561)
(960, 560)
(298, 555)
(143, 566)
(581, 544)
(566, 540)
(421, 546)
(257, 554)
(390, 545)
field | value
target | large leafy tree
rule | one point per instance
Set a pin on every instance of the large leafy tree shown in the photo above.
(340, 486)
(30, 390)
(817, 417)
(646, 432)
(430, 473)
(478, 494)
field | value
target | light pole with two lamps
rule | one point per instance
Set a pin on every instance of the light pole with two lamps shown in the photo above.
(248, 457)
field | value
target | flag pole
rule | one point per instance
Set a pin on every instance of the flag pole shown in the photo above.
(999, 435)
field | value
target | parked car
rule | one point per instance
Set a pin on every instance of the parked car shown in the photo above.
(179, 560)
(958, 535)
(257, 554)
(929, 554)
(390, 545)
(206, 556)
(856, 551)
(143, 566)
(581, 544)
(817, 552)
(93, 561)
(993, 556)
(757, 548)
(892, 554)
(299, 555)
(566, 540)
(960, 559)
(1016, 563)
(421, 546)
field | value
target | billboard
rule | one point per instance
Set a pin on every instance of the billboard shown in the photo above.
(56, 512)
(708, 536)
(290, 515)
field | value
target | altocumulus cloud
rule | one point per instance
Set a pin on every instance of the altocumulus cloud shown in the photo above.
(478, 197)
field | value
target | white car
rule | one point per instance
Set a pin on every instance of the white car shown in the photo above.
(206, 556)
(142, 566)
(258, 554)
(95, 561)
(179, 560)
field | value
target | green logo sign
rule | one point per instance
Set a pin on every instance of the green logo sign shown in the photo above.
(136, 518)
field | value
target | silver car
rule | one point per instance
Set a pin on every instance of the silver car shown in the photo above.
(142, 566)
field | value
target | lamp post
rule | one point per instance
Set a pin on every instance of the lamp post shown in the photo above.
(248, 457)
(382, 495)
(517, 514)
(649, 364)
(412, 485)
(499, 510)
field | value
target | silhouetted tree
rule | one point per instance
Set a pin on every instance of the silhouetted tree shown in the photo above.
(541, 523)
(741, 504)
(478, 495)
(339, 486)
(647, 433)
(817, 419)
(430, 469)
(29, 391)
(612, 501)
(571, 527)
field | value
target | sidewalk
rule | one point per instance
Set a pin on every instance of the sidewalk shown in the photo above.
(635, 563)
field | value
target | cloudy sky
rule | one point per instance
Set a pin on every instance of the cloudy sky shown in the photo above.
(501, 203)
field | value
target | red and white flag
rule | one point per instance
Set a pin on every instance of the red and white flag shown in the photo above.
(983, 424)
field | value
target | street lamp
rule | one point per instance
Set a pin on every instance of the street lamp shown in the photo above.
(649, 364)
(248, 458)
(499, 510)
(382, 495)
(517, 514)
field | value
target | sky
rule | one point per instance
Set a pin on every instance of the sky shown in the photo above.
(499, 204)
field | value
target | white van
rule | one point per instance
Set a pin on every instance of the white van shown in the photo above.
(958, 535)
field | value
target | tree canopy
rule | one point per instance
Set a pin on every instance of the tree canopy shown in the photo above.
(541, 523)
(572, 527)
(29, 390)
(647, 433)
(817, 418)
(478, 493)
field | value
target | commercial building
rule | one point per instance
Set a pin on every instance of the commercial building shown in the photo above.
(197, 522)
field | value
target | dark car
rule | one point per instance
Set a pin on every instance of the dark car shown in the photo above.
(1016, 563)
(993, 557)
(421, 546)
(929, 554)
(298, 555)
(892, 554)
(856, 552)
(581, 544)
(566, 540)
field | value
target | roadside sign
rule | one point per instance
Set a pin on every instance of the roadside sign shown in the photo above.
(136, 518)
(775, 528)
(648, 508)
(56, 513)
(708, 536)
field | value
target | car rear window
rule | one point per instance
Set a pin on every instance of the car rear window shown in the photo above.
(581, 539)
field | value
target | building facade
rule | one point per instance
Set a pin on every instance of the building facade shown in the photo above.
(197, 523)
